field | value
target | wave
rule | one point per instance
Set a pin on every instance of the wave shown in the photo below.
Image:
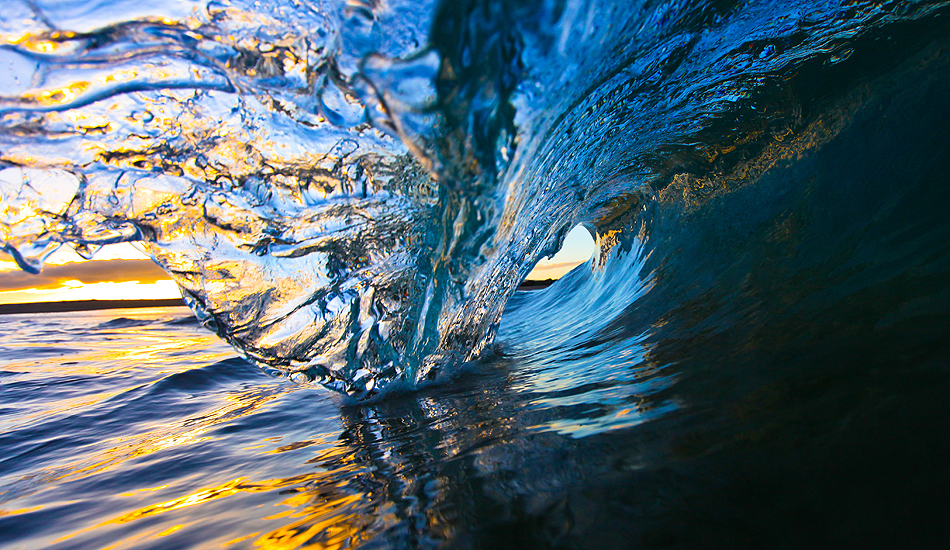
(351, 193)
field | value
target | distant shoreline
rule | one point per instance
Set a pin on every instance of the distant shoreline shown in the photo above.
(85, 305)
(534, 285)
(93, 305)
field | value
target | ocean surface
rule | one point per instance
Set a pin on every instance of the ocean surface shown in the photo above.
(349, 194)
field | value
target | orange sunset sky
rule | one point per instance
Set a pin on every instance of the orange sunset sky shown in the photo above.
(118, 272)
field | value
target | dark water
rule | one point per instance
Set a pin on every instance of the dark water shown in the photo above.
(756, 357)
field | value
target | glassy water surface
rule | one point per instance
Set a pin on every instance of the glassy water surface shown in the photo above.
(134, 428)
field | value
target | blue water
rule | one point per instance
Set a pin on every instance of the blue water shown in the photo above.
(135, 428)
(349, 194)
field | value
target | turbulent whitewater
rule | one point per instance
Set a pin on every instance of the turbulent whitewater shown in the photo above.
(350, 192)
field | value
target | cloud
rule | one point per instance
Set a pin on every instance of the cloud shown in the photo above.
(97, 271)
(557, 265)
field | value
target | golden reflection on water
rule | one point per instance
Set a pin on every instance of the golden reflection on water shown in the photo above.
(186, 432)
(327, 524)
(338, 491)
(19, 511)
(124, 356)
(324, 512)
(321, 511)
(335, 488)
(342, 502)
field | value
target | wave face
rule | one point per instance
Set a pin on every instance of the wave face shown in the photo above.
(349, 193)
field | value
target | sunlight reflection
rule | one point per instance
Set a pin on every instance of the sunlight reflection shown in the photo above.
(122, 355)
(189, 431)
(327, 519)
(330, 525)
(20, 511)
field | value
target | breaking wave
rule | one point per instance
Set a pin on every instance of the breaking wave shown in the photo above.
(350, 193)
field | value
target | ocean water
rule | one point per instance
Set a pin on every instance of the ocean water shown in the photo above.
(350, 193)
(137, 429)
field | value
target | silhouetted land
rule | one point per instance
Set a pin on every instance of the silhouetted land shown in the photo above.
(85, 305)
(534, 285)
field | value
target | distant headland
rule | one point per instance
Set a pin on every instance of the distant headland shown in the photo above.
(85, 305)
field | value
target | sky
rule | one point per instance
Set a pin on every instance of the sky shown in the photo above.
(117, 272)
(122, 272)
(578, 247)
